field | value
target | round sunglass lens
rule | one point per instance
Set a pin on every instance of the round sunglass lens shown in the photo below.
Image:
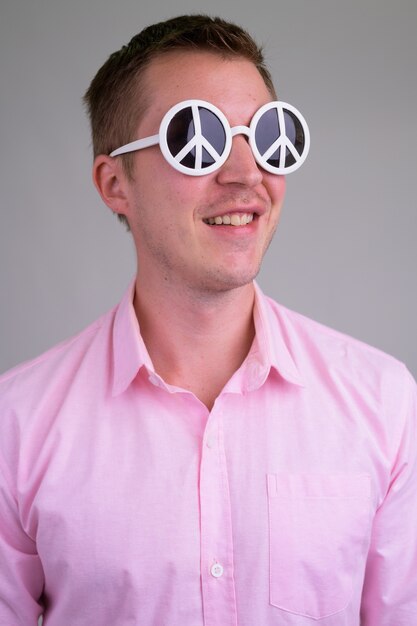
(278, 129)
(183, 130)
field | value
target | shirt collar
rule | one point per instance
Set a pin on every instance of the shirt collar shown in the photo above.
(129, 350)
(269, 349)
(271, 330)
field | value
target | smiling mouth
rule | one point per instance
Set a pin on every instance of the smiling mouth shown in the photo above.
(230, 219)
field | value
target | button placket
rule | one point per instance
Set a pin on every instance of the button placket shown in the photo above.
(216, 530)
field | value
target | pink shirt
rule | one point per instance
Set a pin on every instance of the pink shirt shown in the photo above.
(124, 501)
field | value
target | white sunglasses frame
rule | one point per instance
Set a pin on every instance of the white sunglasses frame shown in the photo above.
(230, 132)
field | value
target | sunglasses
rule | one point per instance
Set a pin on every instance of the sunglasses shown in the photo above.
(196, 138)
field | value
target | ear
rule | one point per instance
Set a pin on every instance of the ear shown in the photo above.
(111, 183)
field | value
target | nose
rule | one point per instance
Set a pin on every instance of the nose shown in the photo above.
(240, 166)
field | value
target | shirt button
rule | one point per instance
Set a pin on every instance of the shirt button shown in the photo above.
(216, 570)
(210, 442)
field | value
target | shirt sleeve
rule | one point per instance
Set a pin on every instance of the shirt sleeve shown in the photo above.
(390, 588)
(21, 576)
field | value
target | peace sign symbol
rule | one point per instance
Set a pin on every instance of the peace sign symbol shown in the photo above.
(195, 137)
(199, 142)
(279, 137)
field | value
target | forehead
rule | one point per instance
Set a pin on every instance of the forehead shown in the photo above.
(231, 83)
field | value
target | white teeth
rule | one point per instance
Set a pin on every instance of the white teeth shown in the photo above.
(234, 219)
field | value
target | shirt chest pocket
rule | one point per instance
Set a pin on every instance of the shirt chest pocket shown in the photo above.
(319, 527)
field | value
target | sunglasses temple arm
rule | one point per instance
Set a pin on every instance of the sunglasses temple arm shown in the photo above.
(139, 144)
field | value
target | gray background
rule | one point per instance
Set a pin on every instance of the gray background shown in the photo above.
(345, 253)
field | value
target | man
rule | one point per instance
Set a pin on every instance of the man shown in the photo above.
(202, 455)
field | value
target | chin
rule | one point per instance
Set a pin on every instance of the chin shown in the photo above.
(222, 281)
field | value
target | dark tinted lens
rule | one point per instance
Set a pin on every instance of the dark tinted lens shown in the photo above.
(213, 131)
(295, 134)
(266, 133)
(181, 130)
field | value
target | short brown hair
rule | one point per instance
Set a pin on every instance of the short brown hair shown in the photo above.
(114, 99)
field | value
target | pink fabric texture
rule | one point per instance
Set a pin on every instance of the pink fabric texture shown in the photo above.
(124, 501)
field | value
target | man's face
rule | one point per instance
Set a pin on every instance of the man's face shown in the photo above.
(169, 211)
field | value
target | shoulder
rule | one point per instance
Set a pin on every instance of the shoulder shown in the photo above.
(322, 352)
(54, 367)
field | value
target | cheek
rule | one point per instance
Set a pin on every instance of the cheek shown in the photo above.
(279, 185)
(163, 183)
(275, 186)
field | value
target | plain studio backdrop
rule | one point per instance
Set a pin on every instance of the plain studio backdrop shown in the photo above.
(345, 250)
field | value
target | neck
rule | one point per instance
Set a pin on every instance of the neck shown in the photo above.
(196, 340)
